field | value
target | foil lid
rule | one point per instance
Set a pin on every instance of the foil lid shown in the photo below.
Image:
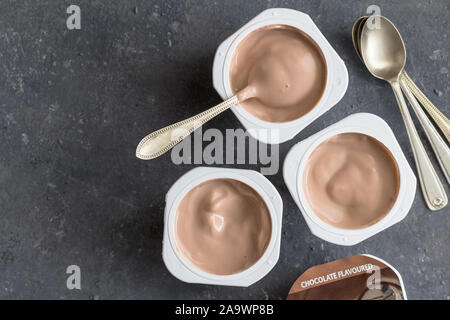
(359, 277)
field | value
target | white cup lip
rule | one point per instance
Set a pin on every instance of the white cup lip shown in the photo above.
(270, 256)
(386, 219)
(305, 27)
(364, 123)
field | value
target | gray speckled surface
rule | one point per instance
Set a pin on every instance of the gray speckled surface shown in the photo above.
(74, 104)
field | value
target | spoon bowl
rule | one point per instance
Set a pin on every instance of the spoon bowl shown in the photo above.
(439, 118)
(359, 31)
(383, 50)
(356, 35)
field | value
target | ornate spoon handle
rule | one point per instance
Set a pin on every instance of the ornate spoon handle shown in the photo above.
(440, 148)
(159, 142)
(432, 189)
(439, 118)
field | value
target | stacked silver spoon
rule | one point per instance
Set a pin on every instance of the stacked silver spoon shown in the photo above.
(383, 52)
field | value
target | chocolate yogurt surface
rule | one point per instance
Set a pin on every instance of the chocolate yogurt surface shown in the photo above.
(285, 68)
(351, 181)
(223, 226)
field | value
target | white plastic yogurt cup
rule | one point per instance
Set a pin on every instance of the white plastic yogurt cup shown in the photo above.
(364, 123)
(336, 85)
(180, 267)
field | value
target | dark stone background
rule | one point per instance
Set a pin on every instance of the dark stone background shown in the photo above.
(74, 105)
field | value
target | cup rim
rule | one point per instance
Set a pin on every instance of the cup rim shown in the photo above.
(265, 258)
(301, 25)
(376, 227)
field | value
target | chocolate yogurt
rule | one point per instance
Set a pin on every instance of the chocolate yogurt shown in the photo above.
(223, 226)
(351, 181)
(285, 68)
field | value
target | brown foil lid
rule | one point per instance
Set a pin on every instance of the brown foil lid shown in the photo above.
(354, 278)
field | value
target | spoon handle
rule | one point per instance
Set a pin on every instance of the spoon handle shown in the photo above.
(439, 118)
(159, 142)
(439, 146)
(432, 189)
